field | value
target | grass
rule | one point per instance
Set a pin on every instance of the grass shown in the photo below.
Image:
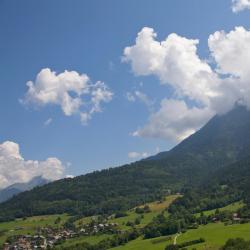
(83, 221)
(155, 207)
(89, 239)
(215, 234)
(149, 244)
(28, 225)
(232, 208)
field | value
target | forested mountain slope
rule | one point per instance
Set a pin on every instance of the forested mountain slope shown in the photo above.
(226, 185)
(224, 140)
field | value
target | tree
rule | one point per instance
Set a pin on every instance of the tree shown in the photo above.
(236, 244)
(172, 247)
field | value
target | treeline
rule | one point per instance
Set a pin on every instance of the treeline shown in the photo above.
(184, 245)
(102, 192)
(107, 191)
(116, 240)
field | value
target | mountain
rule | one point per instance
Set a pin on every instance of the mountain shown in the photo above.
(224, 140)
(17, 188)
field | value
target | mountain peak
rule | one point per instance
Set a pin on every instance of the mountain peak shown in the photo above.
(223, 139)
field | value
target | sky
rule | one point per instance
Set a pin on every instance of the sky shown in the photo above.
(87, 85)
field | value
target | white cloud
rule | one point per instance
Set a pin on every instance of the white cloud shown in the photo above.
(99, 94)
(176, 63)
(142, 97)
(231, 52)
(74, 93)
(174, 120)
(14, 169)
(239, 5)
(48, 122)
(137, 155)
(130, 97)
(69, 176)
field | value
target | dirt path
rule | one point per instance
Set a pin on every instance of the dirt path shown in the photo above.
(175, 238)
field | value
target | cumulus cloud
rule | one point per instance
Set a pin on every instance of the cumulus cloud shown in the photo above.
(239, 5)
(174, 121)
(137, 155)
(14, 168)
(73, 92)
(176, 63)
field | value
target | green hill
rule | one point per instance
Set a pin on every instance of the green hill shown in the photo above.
(224, 140)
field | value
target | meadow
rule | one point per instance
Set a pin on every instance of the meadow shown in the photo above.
(231, 207)
(215, 234)
(156, 208)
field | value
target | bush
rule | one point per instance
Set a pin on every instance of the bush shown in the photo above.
(172, 247)
(120, 214)
(236, 244)
(192, 242)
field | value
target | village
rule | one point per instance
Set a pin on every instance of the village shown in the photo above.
(48, 237)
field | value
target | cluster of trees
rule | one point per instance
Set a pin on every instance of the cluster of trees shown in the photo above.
(142, 210)
(225, 186)
(162, 225)
(103, 192)
(236, 244)
(182, 220)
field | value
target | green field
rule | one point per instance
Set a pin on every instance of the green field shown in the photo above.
(28, 225)
(232, 208)
(215, 234)
(89, 239)
(155, 207)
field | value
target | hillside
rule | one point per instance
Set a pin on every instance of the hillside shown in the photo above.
(223, 140)
(228, 184)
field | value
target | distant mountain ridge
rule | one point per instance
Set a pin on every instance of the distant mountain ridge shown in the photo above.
(17, 188)
(225, 139)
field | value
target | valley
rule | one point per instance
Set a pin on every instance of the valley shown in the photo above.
(195, 196)
(215, 233)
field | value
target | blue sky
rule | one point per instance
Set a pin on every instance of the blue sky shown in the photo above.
(89, 37)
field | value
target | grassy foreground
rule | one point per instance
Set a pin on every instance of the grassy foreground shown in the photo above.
(215, 234)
